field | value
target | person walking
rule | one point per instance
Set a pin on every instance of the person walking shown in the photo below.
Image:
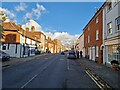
(81, 54)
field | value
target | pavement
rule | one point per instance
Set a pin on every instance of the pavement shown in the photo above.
(105, 72)
(15, 61)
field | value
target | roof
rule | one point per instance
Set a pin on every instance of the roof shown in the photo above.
(13, 26)
(8, 26)
(95, 15)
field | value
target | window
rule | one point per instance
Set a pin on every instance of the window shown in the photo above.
(114, 53)
(96, 20)
(4, 47)
(97, 51)
(118, 24)
(88, 39)
(109, 7)
(116, 2)
(97, 34)
(109, 26)
(8, 46)
(16, 49)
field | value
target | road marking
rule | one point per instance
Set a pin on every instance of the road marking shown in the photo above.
(94, 80)
(99, 81)
(68, 66)
(48, 64)
(29, 81)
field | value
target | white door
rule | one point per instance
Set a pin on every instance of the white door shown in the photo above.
(90, 53)
(93, 53)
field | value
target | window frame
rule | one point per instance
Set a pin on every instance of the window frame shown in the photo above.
(97, 34)
(116, 26)
(109, 9)
(97, 20)
(109, 28)
(97, 51)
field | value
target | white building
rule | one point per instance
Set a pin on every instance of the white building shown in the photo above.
(81, 44)
(17, 42)
(111, 32)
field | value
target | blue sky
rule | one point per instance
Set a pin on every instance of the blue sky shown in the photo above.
(62, 20)
(62, 17)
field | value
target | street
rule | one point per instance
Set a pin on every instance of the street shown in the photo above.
(50, 71)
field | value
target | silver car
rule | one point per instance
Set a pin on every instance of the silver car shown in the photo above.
(4, 56)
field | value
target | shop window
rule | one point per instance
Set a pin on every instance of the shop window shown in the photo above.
(114, 53)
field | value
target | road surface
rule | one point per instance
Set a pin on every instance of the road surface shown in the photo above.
(50, 71)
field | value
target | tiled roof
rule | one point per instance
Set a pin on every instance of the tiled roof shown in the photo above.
(13, 26)
(8, 26)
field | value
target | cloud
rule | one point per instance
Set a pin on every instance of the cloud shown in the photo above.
(10, 15)
(31, 23)
(21, 7)
(36, 12)
(64, 37)
(50, 29)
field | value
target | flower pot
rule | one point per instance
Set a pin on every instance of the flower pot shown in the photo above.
(115, 67)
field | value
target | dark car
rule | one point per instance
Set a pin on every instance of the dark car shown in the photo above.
(62, 53)
(71, 55)
(4, 56)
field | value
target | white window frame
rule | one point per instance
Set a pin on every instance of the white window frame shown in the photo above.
(116, 2)
(97, 20)
(97, 34)
(117, 24)
(97, 50)
(109, 28)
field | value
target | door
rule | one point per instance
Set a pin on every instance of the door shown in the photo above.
(93, 53)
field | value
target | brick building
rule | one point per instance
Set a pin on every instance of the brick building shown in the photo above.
(93, 33)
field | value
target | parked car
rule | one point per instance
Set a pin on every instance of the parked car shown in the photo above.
(62, 53)
(4, 56)
(71, 55)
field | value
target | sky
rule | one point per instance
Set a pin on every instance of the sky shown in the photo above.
(56, 19)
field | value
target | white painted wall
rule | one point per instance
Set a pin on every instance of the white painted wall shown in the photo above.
(11, 50)
(110, 17)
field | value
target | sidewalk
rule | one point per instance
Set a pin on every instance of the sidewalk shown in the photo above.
(15, 61)
(106, 73)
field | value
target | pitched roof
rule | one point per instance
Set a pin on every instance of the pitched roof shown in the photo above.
(8, 26)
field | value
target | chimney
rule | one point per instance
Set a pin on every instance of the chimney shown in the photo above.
(33, 29)
(20, 26)
(27, 29)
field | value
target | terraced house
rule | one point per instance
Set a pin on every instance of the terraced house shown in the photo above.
(19, 42)
(111, 32)
(93, 33)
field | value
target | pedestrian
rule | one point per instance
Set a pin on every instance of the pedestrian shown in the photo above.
(77, 54)
(81, 54)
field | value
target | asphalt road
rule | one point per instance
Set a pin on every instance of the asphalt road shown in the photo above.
(51, 71)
